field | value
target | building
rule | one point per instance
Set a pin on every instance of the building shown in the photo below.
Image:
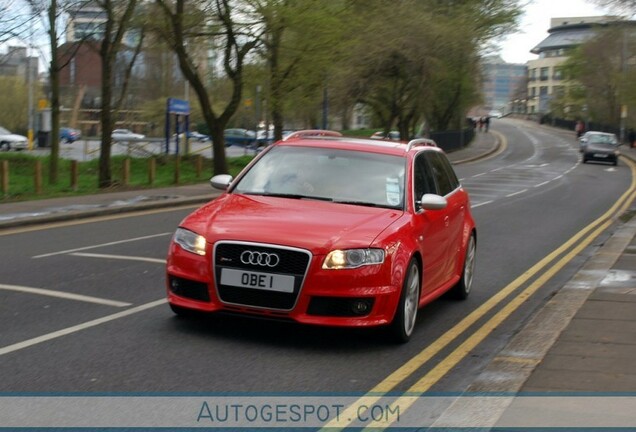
(17, 63)
(545, 76)
(86, 22)
(501, 83)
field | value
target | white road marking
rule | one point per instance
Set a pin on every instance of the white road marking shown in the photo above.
(63, 295)
(74, 329)
(516, 193)
(481, 204)
(120, 257)
(101, 245)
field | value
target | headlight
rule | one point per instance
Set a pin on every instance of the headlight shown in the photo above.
(352, 258)
(190, 241)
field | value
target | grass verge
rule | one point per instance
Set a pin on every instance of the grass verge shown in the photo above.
(22, 178)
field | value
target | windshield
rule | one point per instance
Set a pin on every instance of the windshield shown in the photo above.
(603, 139)
(3, 131)
(343, 176)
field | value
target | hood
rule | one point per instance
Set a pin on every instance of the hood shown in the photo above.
(318, 226)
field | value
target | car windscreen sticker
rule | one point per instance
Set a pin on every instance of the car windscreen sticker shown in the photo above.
(392, 191)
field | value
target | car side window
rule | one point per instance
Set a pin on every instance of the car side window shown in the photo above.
(450, 172)
(422, 177)
(443, 173)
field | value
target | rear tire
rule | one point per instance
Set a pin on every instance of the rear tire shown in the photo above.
(462, 289)
(405, 317)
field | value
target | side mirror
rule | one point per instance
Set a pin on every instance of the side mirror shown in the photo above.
(432, 202)
(221, 181)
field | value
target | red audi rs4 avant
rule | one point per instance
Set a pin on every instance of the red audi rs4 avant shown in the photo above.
(328, 230)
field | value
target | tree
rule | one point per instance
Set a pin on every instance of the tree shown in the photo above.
(599, 76)
(119, 17)
(299, 43)
(14, 89)
(627, 6)
(206, 23)
(408, 61)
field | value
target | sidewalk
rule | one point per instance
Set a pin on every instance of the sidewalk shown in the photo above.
(75, 207)
(584, 338)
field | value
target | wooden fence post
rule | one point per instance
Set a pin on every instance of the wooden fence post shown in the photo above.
(125, 176)
(198, 163)
(4, 173)
(177, 169)
(152, 170)
(74, 175)
(38, 177)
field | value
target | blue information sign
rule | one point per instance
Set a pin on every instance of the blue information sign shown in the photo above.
(178, 106)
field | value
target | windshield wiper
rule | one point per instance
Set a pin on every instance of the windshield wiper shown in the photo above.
(363, 203)
(290, 196)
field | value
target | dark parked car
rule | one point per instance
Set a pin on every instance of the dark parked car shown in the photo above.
(599, 146)
(239, 137)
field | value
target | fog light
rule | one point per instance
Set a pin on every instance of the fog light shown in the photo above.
(360, 307)
(174, 284)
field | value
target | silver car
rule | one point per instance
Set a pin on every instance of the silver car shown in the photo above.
(9, 141)
(125, 135)
(599, 146)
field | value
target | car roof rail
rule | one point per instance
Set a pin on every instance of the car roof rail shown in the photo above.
(312, 133)
(424, 142)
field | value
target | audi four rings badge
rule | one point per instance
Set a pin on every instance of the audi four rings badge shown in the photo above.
(260, 258)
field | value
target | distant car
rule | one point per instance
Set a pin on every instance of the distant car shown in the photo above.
(264, 138)
(328, 230)
(239, 137)
(495, 114)
(194, 135)
(599, 146)
(392, 135)
(10, 141)
(69, 135)
(125, 135)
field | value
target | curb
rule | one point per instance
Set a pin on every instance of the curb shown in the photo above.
(105, 211)
(496, 147)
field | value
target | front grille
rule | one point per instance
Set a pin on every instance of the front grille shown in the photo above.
(288, 262)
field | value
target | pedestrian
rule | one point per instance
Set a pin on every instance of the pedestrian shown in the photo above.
(579, 129)
(632, 138)
(486, 123)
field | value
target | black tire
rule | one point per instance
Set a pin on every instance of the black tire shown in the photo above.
(5, 146)
(401, 329)
(462, 289)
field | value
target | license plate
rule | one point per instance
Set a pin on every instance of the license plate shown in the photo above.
(600, 155)
(257, 280)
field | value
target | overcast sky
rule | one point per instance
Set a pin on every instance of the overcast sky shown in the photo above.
(535, 23)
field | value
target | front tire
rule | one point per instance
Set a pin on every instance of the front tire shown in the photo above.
(181, 311)
(462, 289)
(403, 323)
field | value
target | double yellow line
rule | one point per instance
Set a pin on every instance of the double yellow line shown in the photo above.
(576, 243)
